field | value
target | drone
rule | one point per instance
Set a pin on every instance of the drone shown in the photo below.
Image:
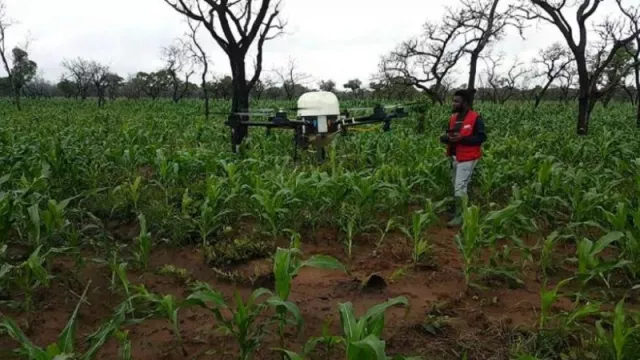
(318, 121)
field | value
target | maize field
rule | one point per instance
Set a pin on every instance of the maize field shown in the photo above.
(133, 232)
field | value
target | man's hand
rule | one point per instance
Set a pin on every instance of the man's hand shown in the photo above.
(454, 137)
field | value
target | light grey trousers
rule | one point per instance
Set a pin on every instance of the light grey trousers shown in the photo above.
(461, 175)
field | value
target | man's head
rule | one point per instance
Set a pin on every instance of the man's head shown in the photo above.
(461, 101)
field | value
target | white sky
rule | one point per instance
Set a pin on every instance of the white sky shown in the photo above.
(330, 39)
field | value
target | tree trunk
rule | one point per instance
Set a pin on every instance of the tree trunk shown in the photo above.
(583, 113)
(240, 97)
(584, 92)
(17, 96)
(205, 90)
(637, 71)
(638, 112)
(537, 103)
(473, 69)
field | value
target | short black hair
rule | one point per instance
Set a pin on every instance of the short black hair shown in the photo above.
(464, 94)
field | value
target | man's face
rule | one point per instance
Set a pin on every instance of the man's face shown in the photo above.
(458, 104)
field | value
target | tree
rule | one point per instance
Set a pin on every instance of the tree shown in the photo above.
(99, 75)
(551, 12)
(80, 71)
(66, 87)
(328, 85)
(39, 87)
(353, 85)
(292, 81)
(613, 75)
(22, 69)
(176, 60)
(482, 23)
(239, 27)
(567, 79)
(633, 15)
(554, 59)
(113, 83)
(503, 87)
(425, 62)
(200, 56)
(223, 88)
(154, 84)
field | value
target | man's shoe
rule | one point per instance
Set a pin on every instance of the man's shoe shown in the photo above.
(457, 219)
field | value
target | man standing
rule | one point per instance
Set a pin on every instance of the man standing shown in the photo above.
(464, 139)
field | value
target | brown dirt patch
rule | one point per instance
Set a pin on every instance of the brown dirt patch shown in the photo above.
(476, 322)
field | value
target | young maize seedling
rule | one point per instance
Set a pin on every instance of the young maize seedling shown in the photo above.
(615, 342)
(143, 251)
(243, 324)
(163, 306)
(469, 242)
(591, 265)
(64, 347)
(361, 337)
(286, 266)
(420, 221)
(547, 299)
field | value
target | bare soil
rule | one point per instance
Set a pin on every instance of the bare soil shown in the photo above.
(479, 323)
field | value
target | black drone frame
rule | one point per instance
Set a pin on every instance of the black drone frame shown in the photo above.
(240, 123)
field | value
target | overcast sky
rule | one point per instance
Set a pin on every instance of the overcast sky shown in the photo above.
(330, 39)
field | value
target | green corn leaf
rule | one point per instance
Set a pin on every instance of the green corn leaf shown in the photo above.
(372, 348)
(290, 354)
(15, 333)
(348, 321)
(289, 307)
(605, 241)
(324, 262)
(374, 317)
(66, 339)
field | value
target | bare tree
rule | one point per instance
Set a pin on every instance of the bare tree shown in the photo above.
(198, 54)
(177, 61)
(633, 15)
(291, 79)
(567, 79)
(619, 66)
(22, 69)
(554, 59)
(261, 86)
(99, 75)
(551, 11)
(425, 62)
(79, 72)
(482, 23)
(504, 87)
(240, 25)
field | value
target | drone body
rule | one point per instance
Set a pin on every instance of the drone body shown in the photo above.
(318, 121)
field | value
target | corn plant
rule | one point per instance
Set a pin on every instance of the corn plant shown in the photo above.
(64, 347)
(161, 306)
(591, 265)
(243, 324)
(420, 221)
(615, 342)
(360, 337)
(28, 276)
(144, 247)
(469, 242)
(286, 266)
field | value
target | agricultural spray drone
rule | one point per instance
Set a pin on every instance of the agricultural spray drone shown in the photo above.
(318, 121)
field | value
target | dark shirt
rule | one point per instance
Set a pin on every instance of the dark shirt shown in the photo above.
(476, 138)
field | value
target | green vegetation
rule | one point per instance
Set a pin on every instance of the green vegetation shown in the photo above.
(111, 185)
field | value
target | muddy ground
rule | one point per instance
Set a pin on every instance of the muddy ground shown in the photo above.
(481, 324)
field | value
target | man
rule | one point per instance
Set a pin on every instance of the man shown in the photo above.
(464, 139)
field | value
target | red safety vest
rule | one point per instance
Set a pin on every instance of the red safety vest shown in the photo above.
(465, 152)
